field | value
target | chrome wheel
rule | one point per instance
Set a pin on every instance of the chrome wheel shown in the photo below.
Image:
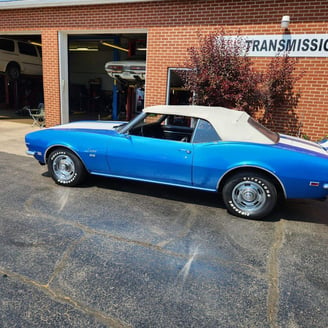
(249, 196)
(63, 167)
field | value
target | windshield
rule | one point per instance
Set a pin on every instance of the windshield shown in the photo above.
(123, 128)
(273, 136)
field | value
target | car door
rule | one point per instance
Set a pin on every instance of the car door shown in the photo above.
(208, 159)
(151, 159)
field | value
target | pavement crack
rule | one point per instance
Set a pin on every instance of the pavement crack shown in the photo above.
(159, 247)
(64, 299)
(273, 275)
(60, 266)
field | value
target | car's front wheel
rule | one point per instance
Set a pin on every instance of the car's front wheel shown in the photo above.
(65, 167)
(249, 195)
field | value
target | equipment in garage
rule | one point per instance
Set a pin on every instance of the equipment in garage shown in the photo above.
(130, 75)
(118, 97)
(27, 90)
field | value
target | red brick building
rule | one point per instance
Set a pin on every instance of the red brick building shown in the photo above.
(170, 27)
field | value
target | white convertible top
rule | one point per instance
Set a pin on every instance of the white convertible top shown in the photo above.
(231, 125)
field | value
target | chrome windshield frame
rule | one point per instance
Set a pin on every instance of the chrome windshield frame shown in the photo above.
(124, 129)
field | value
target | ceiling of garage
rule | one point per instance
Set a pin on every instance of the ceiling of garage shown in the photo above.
(93, 41)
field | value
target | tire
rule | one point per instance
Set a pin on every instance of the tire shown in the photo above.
(249, 195)
(66, 168)
(13, 71)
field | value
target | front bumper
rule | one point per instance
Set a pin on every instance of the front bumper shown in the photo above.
(30, 152)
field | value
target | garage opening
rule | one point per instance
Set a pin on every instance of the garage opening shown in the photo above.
(106, 75)
(21, 82)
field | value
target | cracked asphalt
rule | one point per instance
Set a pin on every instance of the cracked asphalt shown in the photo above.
(115, 253)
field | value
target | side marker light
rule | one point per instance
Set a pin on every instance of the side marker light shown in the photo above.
(314, 184)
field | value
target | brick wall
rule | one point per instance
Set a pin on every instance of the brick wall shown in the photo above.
(51, 81)
(172, 28)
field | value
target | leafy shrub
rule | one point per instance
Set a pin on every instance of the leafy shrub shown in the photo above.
(221, 74)
(278, 93)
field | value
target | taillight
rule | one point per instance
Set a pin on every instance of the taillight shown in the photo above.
(137, 68)
(114, 68)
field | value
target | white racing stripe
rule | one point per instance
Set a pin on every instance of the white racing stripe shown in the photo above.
(94, 125)
(302, 143)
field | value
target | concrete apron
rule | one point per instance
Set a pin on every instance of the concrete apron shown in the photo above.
(12, 136)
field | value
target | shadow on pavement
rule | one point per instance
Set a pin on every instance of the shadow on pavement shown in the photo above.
(305, 210)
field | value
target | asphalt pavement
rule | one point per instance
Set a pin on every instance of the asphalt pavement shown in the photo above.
(115, 253)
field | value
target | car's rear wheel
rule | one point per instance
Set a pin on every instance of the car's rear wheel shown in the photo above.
(66, 168)
(249, 195)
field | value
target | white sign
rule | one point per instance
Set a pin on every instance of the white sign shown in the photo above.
(295, 45)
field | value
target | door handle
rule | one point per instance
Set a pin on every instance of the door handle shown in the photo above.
(188, 151)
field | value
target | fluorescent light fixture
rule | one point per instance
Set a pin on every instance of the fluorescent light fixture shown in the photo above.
(35, 43)
(83, 49)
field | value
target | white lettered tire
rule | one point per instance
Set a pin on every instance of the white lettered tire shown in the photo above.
(65, 167)
(249, 195)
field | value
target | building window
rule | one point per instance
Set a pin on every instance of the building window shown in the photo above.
(176, 93)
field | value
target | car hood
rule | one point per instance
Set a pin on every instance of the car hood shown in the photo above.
(301, 145)
(90, 125)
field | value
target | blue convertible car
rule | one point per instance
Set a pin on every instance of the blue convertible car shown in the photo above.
(207, 148)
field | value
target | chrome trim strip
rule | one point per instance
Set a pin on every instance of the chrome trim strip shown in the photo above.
(152, 181)
(48, 150)
(256, 167)
(54, 146)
